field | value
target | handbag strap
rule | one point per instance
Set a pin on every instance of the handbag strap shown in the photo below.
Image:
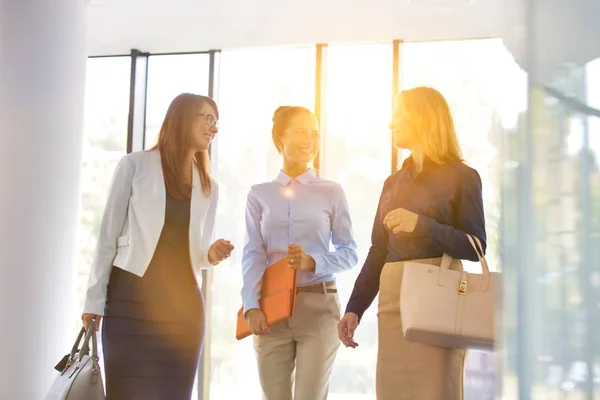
(476, 244)
(444, 267)
(447, 260)
(77, 341)
(90, 335)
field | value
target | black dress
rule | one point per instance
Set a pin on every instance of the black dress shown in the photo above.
(154, 326)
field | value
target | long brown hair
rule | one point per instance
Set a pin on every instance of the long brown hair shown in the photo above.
(174, 140)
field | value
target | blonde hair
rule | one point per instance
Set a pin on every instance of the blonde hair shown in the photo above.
(435, 127)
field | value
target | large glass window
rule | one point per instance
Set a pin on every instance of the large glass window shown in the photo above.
(253, 84)
(558, 305)
(357, 154)
(104, 143)
(486, 91)
(169, 76)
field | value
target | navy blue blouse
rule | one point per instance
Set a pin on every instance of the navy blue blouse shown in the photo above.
(448, 200)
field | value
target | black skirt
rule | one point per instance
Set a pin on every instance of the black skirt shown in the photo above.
(153, 326)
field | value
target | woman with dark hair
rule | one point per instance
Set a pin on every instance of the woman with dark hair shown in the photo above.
(154, 240)
(297, 216)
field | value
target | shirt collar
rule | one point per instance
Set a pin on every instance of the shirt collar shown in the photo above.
(304, 178)
(428, 163)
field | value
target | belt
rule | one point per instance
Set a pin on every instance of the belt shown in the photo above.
(324, 287)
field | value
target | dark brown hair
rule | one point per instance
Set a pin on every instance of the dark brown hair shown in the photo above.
(282, 117)
(174, 140)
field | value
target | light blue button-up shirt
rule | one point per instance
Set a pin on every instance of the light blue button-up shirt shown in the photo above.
(308, 211)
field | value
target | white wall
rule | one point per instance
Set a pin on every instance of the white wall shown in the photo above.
(42, 77)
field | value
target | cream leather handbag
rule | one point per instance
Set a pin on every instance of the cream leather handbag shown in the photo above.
(80, 377)
(447, 308)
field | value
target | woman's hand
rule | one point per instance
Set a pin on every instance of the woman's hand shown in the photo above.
(219, 251)
(257, 322)
(401, 220)
(298, 259)
(346, 329)
(88, 318)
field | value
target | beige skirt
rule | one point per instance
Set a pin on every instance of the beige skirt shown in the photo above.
(408, 370)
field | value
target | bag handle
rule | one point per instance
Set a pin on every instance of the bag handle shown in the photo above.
(444, 266)
(76, 344)
(90, 334)
(476, 244)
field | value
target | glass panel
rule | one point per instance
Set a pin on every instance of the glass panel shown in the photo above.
(561, 291)
(169, 76)
(253, 84)
(104, 143)
(486, 91)
(358, 156)
(552, 206)
(552, 198)
(591, 173)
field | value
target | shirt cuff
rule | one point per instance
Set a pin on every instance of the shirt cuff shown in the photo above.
(249, 305)
(424, 225)
(353, 308)
(94, 307)
(320, 263)
(204, 257)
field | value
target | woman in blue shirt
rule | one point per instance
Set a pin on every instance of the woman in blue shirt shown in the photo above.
(296, 216)
(425, 210)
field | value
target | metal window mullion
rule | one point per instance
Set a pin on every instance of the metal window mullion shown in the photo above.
(203, 373)
(586, 257)
(526, 244)
(320, 103)
(138, 89)
(396, 86)
(213, 74)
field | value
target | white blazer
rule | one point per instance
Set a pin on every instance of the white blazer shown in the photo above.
(133, 220)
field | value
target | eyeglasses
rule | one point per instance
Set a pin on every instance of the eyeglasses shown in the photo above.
(210, 119)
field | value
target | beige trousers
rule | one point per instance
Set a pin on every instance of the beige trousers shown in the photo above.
(408, 370)
(307, 342)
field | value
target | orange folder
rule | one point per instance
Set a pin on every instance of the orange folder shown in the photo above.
(277, 296)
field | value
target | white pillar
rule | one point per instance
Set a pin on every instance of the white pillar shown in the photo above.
(42, 78)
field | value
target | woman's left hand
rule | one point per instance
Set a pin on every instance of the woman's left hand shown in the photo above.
(219, 251)
(401, 220)
(298, 259)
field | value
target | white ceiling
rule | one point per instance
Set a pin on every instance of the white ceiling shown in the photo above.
(117, 26)
(565, 30)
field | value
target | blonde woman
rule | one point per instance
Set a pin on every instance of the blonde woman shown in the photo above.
(425, 210)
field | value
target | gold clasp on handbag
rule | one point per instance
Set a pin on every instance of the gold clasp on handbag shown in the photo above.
(462, 289)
